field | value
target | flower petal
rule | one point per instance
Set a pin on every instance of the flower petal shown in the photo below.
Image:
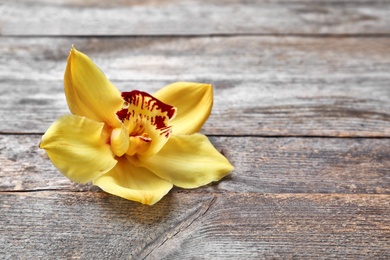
(193, 102)
(188, 161)
(148, 122)
(133, 183)
(88, 92)
(77, 147)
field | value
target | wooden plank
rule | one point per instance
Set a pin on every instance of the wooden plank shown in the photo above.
(285, 226)
(272, 86)
(193, 225)
(242, 58)
(84, 225)
(169, 17)
(265, 165)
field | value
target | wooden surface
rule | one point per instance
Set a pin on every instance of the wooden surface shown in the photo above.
(301, 109)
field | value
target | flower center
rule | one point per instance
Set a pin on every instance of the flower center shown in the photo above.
(145, 125)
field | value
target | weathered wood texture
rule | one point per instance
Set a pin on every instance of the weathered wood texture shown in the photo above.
(263, 165)
(268, 86)
(194, 225)
(172, 17)
(290, 77)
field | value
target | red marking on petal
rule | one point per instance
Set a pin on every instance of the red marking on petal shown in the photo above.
(145, 139)
(135, 96)
(158, 122)
(122, 114)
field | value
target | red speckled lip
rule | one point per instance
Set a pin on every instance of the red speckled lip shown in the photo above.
(150, 105)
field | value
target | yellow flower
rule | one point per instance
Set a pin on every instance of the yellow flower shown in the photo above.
(132, 144)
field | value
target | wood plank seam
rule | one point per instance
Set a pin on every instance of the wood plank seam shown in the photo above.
(177, 229)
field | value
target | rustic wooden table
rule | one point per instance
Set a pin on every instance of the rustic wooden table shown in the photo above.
(302, 110)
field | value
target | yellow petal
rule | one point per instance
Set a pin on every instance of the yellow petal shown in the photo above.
(78, 147)
(148, 122)
(188, 161)
(133, 183)
(193, 102)
(88, 92)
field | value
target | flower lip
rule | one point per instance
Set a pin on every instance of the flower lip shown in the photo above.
(147, 117)
(155, 111)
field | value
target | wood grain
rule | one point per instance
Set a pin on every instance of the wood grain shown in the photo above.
(290, 78)
(262, 165)
(193, 225)
(170, 17)
(267, 86)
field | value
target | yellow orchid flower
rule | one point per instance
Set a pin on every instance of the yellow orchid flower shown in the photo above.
(132, 144)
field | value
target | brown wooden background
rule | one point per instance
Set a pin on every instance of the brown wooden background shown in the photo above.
(302, 110)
